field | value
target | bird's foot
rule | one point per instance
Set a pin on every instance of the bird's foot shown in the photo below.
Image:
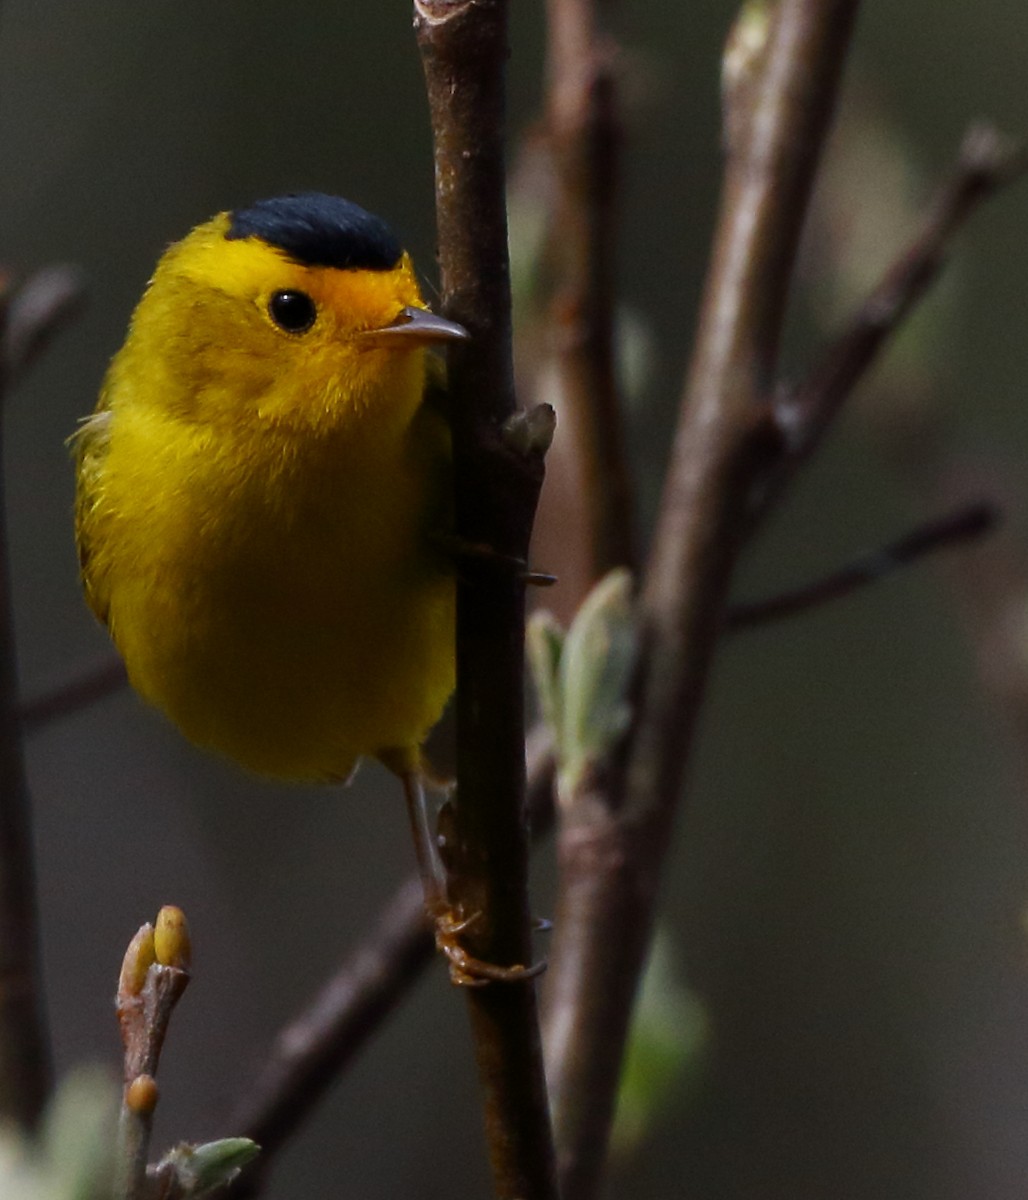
(465, 969)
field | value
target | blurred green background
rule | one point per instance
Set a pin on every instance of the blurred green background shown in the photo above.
(847, 888)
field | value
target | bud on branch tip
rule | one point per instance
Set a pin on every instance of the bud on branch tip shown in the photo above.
(171, 938)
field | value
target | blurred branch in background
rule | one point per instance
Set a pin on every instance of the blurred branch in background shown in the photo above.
(987, 161)
(582, 127)
(968, 523)
(29, 317)
(583, 134)
(724, 439)
(735, 448)
(869, 194)
(742, 466)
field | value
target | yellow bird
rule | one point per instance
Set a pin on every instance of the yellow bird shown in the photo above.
(259, 491)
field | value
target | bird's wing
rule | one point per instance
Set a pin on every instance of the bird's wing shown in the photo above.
(91, 441)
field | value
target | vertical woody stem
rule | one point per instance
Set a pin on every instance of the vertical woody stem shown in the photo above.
(463, 45)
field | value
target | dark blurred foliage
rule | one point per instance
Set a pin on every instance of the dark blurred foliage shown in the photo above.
(854, 859)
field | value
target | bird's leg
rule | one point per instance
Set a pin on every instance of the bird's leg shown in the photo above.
(430, 865)
(449, 922)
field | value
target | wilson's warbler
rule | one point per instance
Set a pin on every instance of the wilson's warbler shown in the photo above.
(259, 491)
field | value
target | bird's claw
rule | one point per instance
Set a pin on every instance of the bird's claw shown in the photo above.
(465, 969)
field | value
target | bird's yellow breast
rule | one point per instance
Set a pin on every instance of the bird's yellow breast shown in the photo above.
(256, 518)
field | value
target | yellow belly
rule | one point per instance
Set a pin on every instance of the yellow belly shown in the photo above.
(292, 617)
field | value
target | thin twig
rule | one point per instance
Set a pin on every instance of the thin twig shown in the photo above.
(154, 974)
(464, 49)
(613, 858)
(584, 135)
(967, 523)
(987, 161)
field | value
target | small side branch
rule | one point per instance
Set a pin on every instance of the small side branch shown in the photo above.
(987, 162)
(967, 523)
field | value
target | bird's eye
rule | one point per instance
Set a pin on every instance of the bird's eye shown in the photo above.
(292, 311)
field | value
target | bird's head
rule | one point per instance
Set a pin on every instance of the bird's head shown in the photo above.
(297, 310)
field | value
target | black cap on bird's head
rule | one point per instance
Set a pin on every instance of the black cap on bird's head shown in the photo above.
(317, 230)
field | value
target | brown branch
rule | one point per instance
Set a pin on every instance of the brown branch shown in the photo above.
(464, 49)
(154, 974)
(612, 857)
(584, 135)
(320, 1042)
(967, 523)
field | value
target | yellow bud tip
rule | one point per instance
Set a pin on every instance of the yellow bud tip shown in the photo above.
(139, 958)
(141, 1095)
(171, 938)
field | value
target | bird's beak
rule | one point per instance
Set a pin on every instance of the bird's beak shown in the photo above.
(416, 325)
